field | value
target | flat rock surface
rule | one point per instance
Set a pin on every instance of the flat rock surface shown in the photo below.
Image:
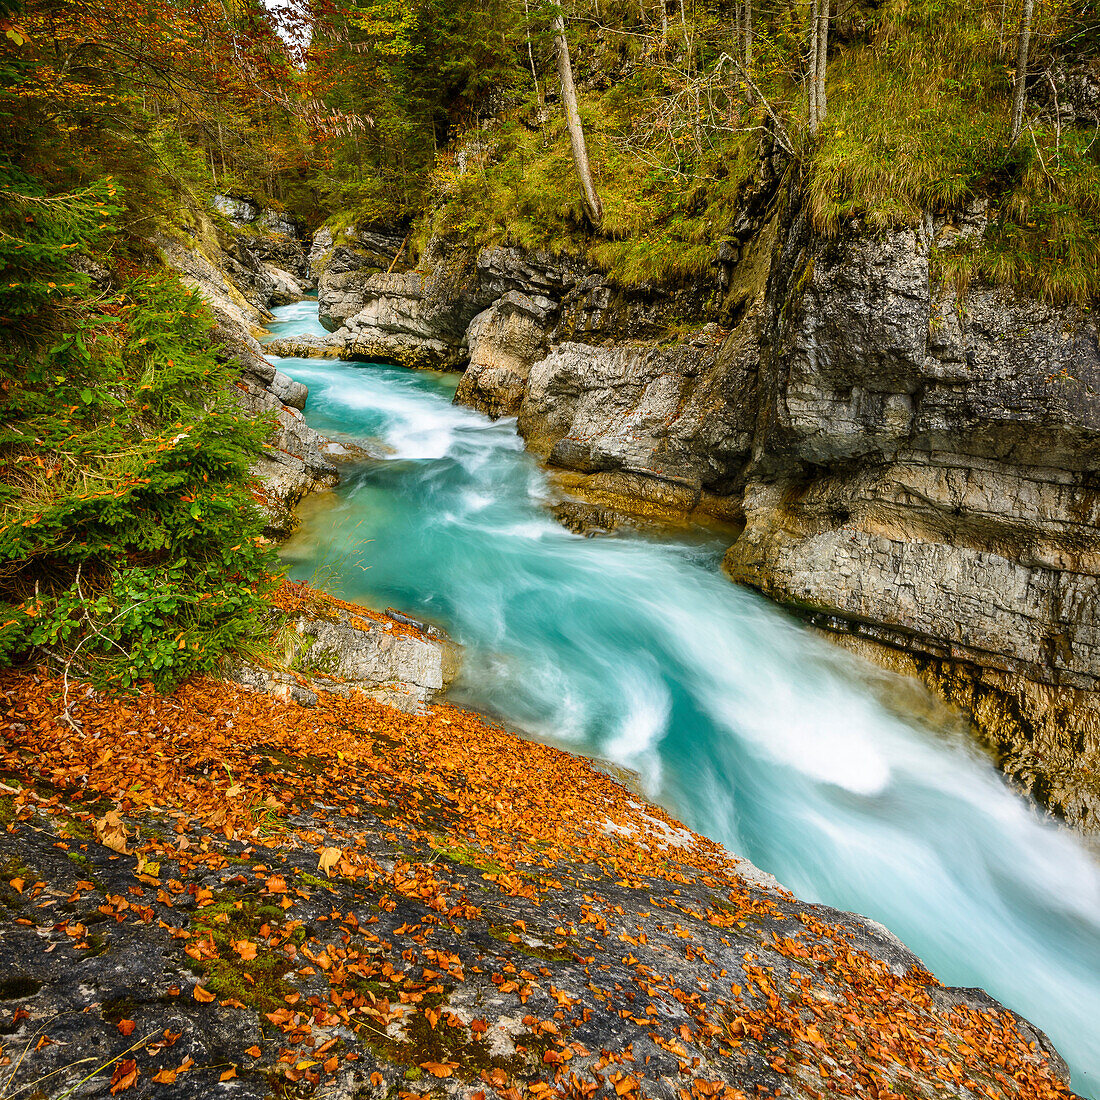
(218, 893)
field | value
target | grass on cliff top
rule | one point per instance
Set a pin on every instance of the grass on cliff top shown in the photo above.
(918, 120)
(668, 187)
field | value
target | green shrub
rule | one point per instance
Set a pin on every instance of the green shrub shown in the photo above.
(129, 545)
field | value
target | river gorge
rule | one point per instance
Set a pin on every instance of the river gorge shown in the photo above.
(852, 786)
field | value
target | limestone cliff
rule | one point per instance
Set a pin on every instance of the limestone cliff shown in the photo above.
(921, 478)
(235, 271)
(912, 461)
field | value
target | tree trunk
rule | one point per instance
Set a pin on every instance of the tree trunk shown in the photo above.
(748, 34)
(822, 56)
(664, 20)
(531, 53)
(592, 206)
(1023, 47)
(811, 81)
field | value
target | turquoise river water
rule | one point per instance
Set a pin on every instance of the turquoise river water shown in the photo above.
(848, 788)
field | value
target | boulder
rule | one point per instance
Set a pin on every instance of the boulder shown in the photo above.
(503, 342)
(343, 263)
(343, 650)
(288, 391)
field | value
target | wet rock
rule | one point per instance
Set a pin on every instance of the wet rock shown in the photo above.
(396, 325)
(588, 519)
(285, 287)
(288, 391)
(305, 347)
(293, 462)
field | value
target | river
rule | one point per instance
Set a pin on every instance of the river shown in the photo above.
(851, 788)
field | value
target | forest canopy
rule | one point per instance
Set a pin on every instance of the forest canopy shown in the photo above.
(448, 113)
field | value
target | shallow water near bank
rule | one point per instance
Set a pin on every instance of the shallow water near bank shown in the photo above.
(747, 726)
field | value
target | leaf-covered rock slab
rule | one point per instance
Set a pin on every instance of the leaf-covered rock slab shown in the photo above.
(347, 900)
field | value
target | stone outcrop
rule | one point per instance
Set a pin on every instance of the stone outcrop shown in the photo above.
(414, 318)
(389, 658)
(420, 318)
(665, 425)
(264, 255)
(294, 461)
(911, 468)
(340, 265)
(503, 342)
(244, 896)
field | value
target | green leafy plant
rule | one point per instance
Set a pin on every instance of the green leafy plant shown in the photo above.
(129, 545)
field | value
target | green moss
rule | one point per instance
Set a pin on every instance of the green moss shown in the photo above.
(119, 1008)
(313, 660)
(313, 880)
(508, 935)
(258, 983)
(13, 868)
(467, 855)
(97, 945)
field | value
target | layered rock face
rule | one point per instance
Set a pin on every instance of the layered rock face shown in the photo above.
(913, 469)
(295, 460)
(422, 317)
(922, 478)
(264, 257)
(340, 265)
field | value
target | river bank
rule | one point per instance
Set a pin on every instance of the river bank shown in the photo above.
(343, 899)
(637, 650)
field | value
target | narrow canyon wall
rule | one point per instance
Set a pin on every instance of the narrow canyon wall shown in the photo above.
(258, 262)
(915, 468)
(922, 479)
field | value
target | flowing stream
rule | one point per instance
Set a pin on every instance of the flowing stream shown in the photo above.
(849, 786)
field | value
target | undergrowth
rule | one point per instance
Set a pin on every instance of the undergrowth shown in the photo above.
(129, 546)
(918, 123)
